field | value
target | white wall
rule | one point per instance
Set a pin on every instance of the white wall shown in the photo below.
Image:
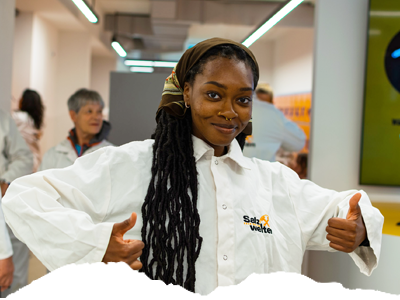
(34, 66)
(73, 73)
(286, 61)
(264, 53)
(336, 133)
(43, 73)
(293, 62)
(22, 58)
(101, 68)
(7, 13)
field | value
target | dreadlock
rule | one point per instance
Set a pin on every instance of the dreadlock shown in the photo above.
(171, 220)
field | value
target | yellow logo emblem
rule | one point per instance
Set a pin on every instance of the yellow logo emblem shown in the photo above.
(259, 225)
(265, 219)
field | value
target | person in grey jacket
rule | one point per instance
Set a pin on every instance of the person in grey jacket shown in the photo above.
(16, 160)
(89, 134)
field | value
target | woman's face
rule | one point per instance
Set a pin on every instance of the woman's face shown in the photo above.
(221, 101)
(89, 118)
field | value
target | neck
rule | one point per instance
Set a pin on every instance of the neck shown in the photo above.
(219, 151)
(82, 137)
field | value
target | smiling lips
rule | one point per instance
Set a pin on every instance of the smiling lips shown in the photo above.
(225, 128)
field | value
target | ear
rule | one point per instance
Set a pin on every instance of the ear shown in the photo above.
(187, 90)
(73, 116)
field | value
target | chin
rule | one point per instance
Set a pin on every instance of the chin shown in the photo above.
(94, 132)
(221, 140)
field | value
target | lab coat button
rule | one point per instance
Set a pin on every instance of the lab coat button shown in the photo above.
(224, 206)
(225, 257)
(216, 162)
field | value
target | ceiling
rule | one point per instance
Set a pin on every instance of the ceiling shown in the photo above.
(152, 27)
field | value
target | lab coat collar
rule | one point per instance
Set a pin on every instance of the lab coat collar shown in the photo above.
(65, 147)
(200, 148)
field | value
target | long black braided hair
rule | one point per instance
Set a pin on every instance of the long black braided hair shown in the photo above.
(171, 220)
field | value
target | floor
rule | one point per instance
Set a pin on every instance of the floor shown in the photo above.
(37, 280)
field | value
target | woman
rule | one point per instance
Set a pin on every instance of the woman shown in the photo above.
(29, 119)
(208, 216)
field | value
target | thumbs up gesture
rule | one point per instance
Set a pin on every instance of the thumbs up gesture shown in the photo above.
(124, 250)
(347, 234)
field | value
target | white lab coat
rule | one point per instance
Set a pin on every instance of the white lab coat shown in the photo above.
(271, 131)
(16, 160)
(60, 156)
(63, 155)
(67, 215)
(5, 242)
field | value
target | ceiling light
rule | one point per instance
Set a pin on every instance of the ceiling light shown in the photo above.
(165, 64)
(374, 32)
(146, 63)
(142, 69)
(118, 48)
(86, 10)
(271, 22)
(151, 63)
(383, 13)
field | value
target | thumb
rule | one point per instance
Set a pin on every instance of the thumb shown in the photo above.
(120, 229)
(354, 209)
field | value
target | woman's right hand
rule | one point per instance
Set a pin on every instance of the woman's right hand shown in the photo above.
(124, 250)
(6, 273)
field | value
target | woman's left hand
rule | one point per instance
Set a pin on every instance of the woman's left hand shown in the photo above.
(3, 187)
(347, 234)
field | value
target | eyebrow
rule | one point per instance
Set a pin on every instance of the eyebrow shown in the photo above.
(224, 86)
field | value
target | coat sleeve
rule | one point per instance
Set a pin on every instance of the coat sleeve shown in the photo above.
(5, 242)
(293, 137)
(314, 206)
(58, 213)
(48, 160)
(18, 154)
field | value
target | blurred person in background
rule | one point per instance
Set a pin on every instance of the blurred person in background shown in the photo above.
(16, 160)
(299, 164)
(271, 129)
(89, 134)
(29, 120)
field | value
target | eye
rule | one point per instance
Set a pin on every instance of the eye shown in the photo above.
(213, 95)
(245, 100)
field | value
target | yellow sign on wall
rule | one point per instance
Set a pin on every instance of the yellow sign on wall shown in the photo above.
(297, 108)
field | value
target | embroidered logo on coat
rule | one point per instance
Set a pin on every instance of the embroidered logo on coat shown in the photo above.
(260, 225)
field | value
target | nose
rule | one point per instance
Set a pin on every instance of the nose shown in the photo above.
(228, 111)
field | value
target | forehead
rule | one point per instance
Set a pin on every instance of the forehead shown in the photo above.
(91, 105)
(229, 71)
